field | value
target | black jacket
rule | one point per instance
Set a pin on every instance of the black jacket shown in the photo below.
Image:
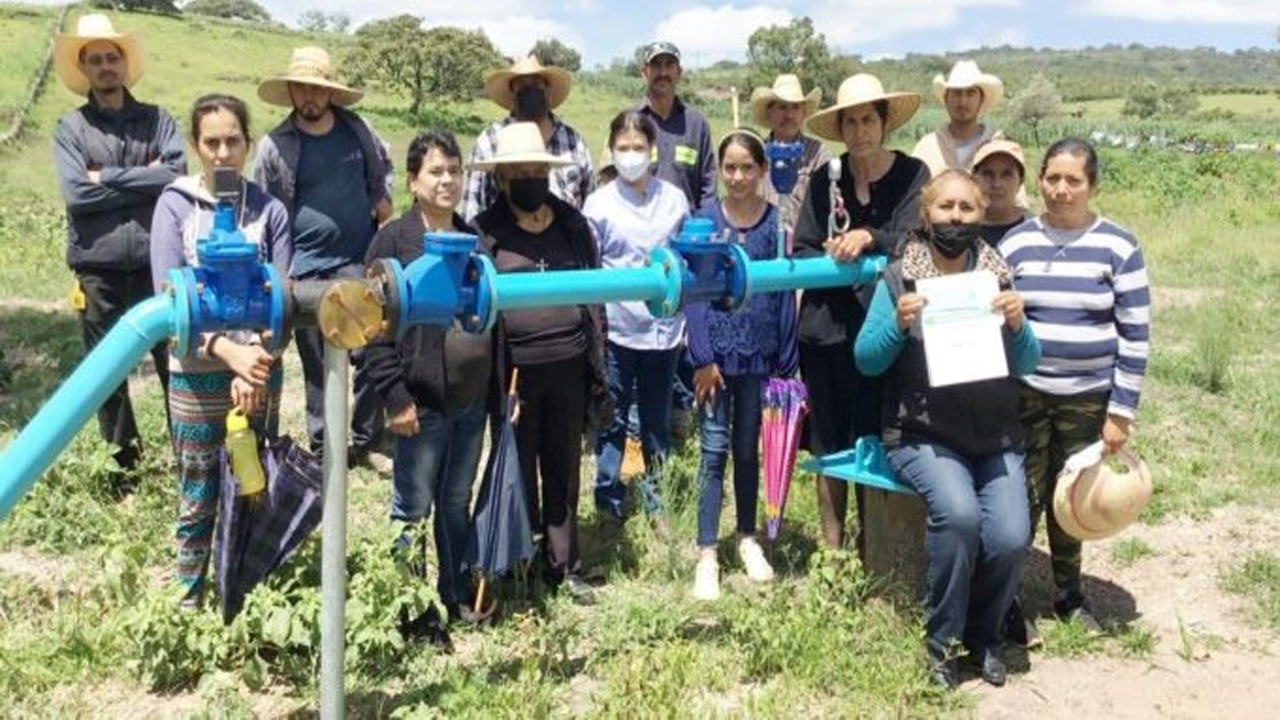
(109, 222)
(832, 316)
(414, 369)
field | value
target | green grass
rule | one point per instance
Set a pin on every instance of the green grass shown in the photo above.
(1130, 550)
(1242, 104)
(1258, 578)
(26, 32)
(823, 641)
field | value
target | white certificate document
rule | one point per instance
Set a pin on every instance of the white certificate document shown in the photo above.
(962, 336)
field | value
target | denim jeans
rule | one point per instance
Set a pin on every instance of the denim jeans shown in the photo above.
(439, 465)
(739, 400)
(648, 374)
(976, 540)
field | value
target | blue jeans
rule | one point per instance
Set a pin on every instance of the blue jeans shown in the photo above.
(976, 540)
(740, 399)
(648, 374)
(439, 464)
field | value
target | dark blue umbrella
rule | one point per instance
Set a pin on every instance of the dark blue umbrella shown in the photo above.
(257, 533)
(501, 535)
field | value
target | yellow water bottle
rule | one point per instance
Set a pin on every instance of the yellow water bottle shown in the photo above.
(242, 449)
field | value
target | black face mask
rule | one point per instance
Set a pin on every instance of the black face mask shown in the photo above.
(530, 103)
(529, 194)
(952, 240)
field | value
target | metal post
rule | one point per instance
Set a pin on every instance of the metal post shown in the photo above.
(333, 548)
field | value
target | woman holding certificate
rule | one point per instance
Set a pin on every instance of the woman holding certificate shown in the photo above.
(957, 442)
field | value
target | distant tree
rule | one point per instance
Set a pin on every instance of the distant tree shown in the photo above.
(553, 52)
(793, 48)
(161, 7)
(1037, 102)
(316, 21)
(313, 21)
(1147, 100)
(397, 53)
(228, 9)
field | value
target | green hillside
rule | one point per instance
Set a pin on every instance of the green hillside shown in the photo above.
(25, 30)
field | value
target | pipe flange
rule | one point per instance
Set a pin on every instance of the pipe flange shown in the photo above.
(182, 286)
(673, 272)
(479, 312)
(276, 337)
(739, 277)
(395, 288)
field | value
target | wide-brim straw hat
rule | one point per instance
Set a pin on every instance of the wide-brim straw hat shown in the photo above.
(786, 88)
(965, 74)
(520, 142)
(1000, 147)
(308, 66)
(66, 52)
(1093, 501)
(497, 84)
(863, 89)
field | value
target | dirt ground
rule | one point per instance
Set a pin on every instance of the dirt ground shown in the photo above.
(1234, 669)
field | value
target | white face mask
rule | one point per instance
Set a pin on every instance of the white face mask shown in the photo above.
(631, 164)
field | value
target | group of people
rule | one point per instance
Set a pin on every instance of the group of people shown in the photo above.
(983, 456)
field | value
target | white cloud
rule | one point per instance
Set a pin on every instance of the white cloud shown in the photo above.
(705, 34)
(710, 33)
(1003, 36)
(513, 25)
(1239, 12)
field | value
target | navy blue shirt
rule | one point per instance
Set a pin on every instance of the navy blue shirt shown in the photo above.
(760, 338)
(333, 223)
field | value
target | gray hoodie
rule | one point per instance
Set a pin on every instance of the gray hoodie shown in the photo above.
(184, 215)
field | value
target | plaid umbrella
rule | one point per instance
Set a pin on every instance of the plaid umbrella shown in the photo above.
(501, 535)
(256, 534)
(785, 405)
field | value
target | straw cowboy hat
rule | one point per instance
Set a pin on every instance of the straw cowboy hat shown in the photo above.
(66, 52)
(1092, 501)
(520, 142)
(965, 74)
(308, 66)
(1000, 147)
(497, 84)
(861, 89)
(786, 88)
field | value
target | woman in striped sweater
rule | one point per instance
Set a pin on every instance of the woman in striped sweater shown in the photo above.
(1085, 286)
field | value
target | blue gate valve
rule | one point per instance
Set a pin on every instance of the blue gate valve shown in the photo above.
(715, 269)
(449, 281)
(229, 289)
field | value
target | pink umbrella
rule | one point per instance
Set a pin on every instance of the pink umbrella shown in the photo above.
(785, 405)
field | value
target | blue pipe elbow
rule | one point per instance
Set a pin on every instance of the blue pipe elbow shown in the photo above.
(80, 396)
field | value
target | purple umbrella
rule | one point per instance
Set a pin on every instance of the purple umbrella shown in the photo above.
(785, 405)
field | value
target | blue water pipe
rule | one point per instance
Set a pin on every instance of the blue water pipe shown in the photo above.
(230, 290)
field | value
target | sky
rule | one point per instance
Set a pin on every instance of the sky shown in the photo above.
(707, 32)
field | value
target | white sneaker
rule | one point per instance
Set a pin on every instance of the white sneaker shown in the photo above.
(758, 569)
(706, 577)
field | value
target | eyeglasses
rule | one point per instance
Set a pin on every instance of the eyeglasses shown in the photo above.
(103, 59)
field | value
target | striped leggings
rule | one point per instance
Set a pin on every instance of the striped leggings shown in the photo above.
(198, 407)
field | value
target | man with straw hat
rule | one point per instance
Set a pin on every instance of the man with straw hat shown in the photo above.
(783, 108)
(967, 93)
(328, 167)
(114, 156)
(530, 93)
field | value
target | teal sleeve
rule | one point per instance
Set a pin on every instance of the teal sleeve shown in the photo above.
(1024, 351)
(880, 340)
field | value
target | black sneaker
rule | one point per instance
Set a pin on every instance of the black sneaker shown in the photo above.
(943, 671)
(1019, 630)
(429, 626)
(1074, 608)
